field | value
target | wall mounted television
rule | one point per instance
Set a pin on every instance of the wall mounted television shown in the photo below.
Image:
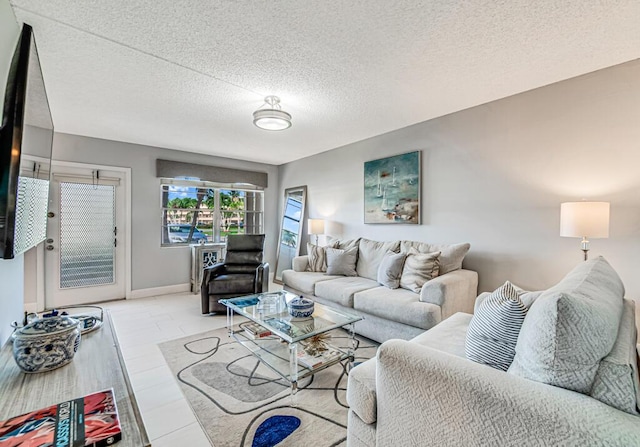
(26, 137)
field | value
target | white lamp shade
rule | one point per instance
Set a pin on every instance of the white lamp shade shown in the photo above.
(584, 219)
(316, 226)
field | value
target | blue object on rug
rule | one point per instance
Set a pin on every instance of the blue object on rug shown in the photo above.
(274, 430)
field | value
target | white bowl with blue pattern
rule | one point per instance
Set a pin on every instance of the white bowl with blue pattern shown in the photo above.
(300, 307)
(46, 344)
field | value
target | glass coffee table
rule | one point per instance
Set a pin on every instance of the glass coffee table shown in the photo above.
(278, 345)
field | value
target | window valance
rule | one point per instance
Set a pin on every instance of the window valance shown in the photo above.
(173, 169)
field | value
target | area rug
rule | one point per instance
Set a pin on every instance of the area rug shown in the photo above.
(241, 402)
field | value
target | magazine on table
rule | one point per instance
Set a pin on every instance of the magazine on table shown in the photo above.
(254, 330)
(91, 420)
(314, 361)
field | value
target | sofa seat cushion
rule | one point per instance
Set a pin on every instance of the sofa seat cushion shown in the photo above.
(398, 305)
(571, 327)
(361, 391)
(448, 336)
(305, 282)
(342, 289)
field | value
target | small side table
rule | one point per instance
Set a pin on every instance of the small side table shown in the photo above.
(202, 256)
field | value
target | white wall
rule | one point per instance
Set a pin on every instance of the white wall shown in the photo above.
(153, 266)
(495, 176)
(11, 271)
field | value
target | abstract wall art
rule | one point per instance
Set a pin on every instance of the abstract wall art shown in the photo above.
(392, 189)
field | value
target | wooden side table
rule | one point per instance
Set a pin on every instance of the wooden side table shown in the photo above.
(98, 365)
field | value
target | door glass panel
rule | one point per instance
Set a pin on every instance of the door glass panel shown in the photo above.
(87, 223)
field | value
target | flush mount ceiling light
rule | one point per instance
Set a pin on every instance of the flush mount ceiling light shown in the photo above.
(271, 117)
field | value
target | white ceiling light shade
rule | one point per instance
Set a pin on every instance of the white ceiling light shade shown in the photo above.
(272, 117)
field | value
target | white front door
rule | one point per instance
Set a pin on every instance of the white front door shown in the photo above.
(85, 246)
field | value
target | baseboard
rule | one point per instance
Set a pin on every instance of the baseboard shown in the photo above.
(155, 291)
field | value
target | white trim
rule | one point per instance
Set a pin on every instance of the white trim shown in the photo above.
(40, 292)
(127, 237)
(127, 217)
(155, 291)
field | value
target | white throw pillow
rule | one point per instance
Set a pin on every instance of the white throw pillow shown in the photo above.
(418, 269)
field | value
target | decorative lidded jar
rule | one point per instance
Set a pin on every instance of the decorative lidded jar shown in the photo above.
(46, 344)
(300, 307)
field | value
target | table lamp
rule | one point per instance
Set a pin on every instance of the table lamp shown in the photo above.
(585, 220)
(316, 227)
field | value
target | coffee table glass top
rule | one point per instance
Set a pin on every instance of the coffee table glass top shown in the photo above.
(270, 310)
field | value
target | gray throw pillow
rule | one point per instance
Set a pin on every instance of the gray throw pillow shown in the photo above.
(418, 269)
(617, 382)
(390, 269)
(571, 327)
(494, 328)
(342, 262)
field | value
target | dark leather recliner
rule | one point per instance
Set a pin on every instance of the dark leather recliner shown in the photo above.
(241, 273)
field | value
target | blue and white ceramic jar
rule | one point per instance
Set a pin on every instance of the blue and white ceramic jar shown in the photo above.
(300, 307)
(46, 344)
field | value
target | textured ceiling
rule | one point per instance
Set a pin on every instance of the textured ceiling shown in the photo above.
(187, 75)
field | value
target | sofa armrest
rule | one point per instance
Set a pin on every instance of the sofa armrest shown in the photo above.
(429, 397)
(300, 263)
(453, 292)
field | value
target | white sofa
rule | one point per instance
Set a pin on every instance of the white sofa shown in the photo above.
(389, 313)
(424, 392)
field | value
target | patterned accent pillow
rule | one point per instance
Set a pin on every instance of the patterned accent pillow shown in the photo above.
(390, 269)
(317, 258)
(342, 262)
(494, 329)
(418, 269)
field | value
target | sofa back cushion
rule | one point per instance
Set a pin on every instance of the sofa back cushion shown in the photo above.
(616, 381)
(571, 327)
(418, 269)
(370, 254)
(343, 244)
(451, 256)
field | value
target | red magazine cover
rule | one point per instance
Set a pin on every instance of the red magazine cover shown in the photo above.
(91, 420)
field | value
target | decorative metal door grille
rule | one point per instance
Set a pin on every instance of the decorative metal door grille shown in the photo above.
(31, 213)
(87, 235)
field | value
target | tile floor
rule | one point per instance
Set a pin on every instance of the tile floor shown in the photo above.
(143, 323)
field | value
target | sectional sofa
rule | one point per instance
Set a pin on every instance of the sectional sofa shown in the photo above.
(389, 313)
(573, 381)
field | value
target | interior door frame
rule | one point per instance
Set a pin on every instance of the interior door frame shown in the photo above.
(127, 216)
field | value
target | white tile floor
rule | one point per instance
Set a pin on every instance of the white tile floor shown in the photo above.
(143, 323)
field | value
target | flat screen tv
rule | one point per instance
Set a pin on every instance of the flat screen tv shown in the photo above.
(26, 137)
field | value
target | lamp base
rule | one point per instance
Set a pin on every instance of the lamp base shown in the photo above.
(585, 247)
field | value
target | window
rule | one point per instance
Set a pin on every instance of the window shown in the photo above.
(197, 212)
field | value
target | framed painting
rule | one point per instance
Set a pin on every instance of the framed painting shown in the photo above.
(392, 190)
